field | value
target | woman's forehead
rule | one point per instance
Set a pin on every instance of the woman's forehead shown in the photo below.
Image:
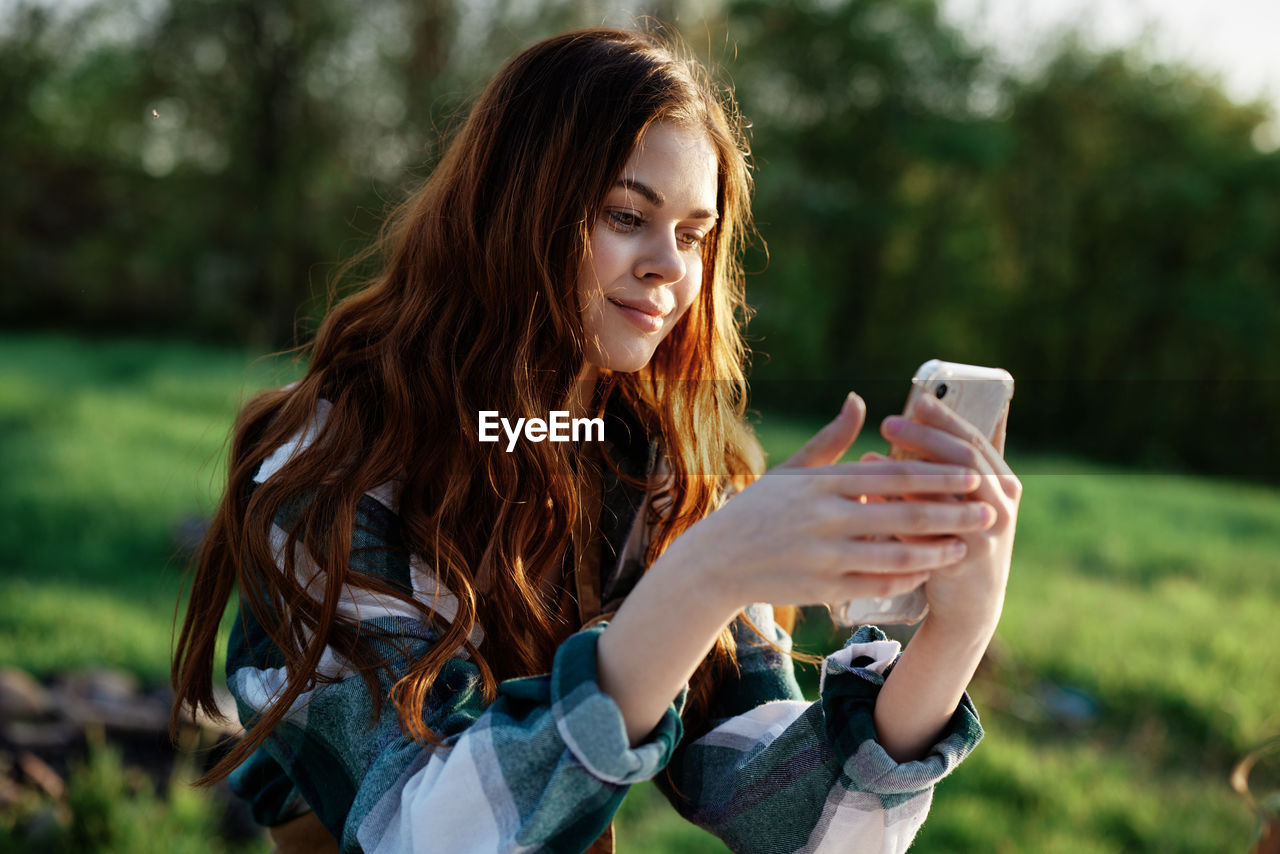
(677, 164)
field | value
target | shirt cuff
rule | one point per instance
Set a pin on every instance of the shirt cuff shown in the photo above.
(851, 681)
(271, 795)
(591, 723)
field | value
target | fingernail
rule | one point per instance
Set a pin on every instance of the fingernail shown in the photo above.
(988, 515)
(893, 425)
(957, 549)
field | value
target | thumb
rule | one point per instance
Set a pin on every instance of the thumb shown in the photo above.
(829, 444)
(1002, 430)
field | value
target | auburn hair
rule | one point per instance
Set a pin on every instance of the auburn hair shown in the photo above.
(475, 308)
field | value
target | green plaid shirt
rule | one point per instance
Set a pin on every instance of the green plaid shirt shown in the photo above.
(546, 765)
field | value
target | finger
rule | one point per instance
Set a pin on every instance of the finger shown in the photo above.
(932, 413)
(939, 444)
(1002, 430)
(907, 518)
(871, 457)
(860, 585)
(892, 556)
(829, 444)
(898, 477)
(922, 538)
(1008, 480)
(945, 447)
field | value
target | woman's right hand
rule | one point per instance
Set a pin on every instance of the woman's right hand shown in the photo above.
(814, 530)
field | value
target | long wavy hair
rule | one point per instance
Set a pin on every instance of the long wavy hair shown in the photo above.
(475, 308)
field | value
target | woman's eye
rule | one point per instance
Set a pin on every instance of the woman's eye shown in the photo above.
(624, 220)
(692, 240)
(627, 221)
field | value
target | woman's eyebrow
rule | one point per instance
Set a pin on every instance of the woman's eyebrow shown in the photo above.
(658, 200)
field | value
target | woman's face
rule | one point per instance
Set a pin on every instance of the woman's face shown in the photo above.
(643, 265)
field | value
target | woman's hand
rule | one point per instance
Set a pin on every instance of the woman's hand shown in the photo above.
(968, 595)
(814, 530)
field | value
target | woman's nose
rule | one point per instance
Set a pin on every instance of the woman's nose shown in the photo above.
(661, 260)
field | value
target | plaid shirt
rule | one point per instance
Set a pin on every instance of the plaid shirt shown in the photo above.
(546, 765)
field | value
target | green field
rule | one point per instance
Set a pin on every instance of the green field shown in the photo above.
(1134, 662)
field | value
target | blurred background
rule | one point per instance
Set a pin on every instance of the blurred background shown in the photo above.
(1087, 194)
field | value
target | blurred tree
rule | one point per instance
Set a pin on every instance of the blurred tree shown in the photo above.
(1104, 228)
(64, 169)
(871, 167)
(238, 71)
(1143, 219)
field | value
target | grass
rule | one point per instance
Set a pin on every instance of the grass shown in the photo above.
(1148, 597)
(105, 448)
(115, 809)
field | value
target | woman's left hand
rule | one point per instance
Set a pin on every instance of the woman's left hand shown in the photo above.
(969, 595)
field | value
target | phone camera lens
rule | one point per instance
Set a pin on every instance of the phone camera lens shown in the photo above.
(941, 391)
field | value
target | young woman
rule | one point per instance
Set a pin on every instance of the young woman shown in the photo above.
(452, 644)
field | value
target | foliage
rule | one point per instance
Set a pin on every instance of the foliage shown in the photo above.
(1103, 229)
(108, 448)
(114, 809)
(871, 188)
(1101, 226)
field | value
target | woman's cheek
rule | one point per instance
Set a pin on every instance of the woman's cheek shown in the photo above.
(609, 254)
(690, 289)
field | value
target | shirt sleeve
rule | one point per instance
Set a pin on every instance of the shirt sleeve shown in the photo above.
(543, 767)
(776, 773)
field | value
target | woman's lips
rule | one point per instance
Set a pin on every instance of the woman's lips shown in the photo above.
(647, 317)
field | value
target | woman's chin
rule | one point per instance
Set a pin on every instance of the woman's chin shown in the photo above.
(624, 363)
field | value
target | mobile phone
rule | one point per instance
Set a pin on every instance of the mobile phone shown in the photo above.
(979, 395)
